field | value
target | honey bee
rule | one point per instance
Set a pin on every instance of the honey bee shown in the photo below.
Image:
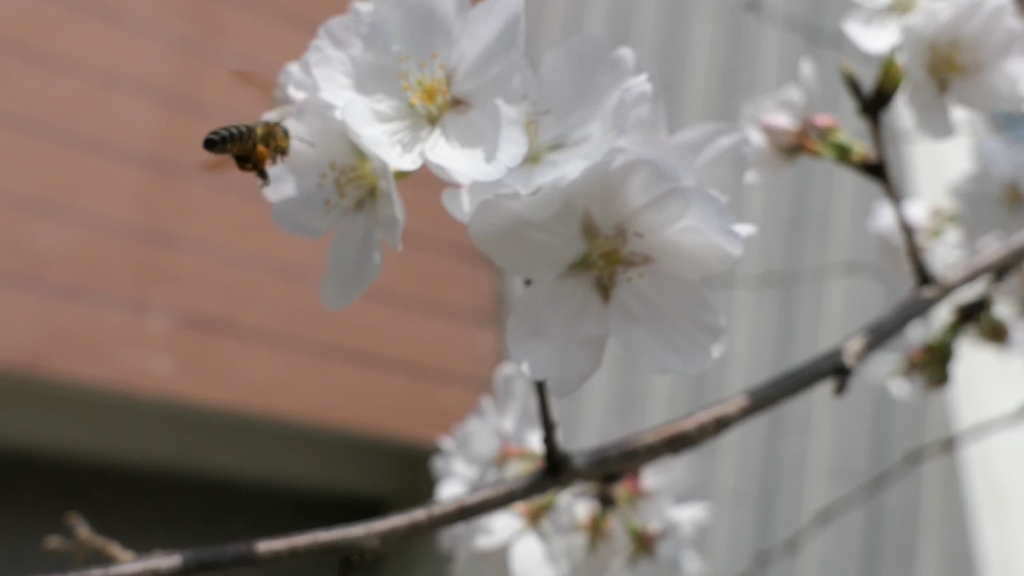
(253, 146)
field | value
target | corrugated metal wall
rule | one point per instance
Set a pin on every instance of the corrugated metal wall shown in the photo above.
(768, 475)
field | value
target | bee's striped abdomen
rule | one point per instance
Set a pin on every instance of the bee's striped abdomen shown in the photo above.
(236, 139)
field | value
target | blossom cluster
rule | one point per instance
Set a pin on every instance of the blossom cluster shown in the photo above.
(568, 177)
(636, 523)
(965, 55)
(565, 173)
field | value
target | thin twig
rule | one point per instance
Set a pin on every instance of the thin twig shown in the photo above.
(868, 105)
(855, 497)
(615, 457)
(84, 540)
(555, 458)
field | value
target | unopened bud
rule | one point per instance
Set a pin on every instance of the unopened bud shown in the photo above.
(992, 329)
(782, 133)
(890, 76)
(931, 362)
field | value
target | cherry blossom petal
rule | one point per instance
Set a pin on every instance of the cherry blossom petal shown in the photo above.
(489, 51)
(536, 236)
(390, 209)
(873, 32)
(560, 329)
(389, 129)
(688, 232)
(353, 262)
(419, 28)
(304, 214)
(479, 144)
(666, 322)
(929, 107)
(579, 73)
(498, 530)
(529, 556)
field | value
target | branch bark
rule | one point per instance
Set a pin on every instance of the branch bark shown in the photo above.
(618, 456)
(872, 107)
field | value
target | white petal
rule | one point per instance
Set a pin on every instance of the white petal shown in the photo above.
(461, 201)
(390, 130)
(873, 32)
(479, 144)
(667, 323)
(489, 51)
(529, 556)
(353, 262)
(450, 488)
(498, 530)
(688, 232)
(390, 209)
(422, 27)
(929, 107)
(745, 229)
(581, 72)
(807, 75)
(560, 329)
(717, 150)
(690, 517)
(304, 214)
(536, 236)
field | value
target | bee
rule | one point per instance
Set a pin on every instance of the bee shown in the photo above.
(253, 146)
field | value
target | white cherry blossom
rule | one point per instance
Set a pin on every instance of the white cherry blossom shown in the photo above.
(327, 182)
(775, 124)
(433, 81)
(575, 113)
(614, 253)
(935, 230)
(965, 52)
(992, 199)
(875, 27)
(296, 82)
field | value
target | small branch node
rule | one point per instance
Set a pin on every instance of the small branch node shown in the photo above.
(85, 540)
(556, 459)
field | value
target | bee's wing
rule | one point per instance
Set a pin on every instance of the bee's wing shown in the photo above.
(260, 81)
(216, 164)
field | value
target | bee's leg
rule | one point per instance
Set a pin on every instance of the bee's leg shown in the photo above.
(243, 163)
(260, 163)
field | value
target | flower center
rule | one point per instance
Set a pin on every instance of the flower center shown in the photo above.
(426, 86)
(606, 256)
(902, 6)
(536, 151)
(1012, 196)
(355, 185)
(948, 61)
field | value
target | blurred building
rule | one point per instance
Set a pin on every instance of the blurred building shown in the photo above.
(167, 366)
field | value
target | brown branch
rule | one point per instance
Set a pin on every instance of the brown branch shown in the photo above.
(84, 540)
(554, 457)
(872, 107)
(857, 496)
(623, 454)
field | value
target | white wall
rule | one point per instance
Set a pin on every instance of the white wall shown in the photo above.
(769, 474)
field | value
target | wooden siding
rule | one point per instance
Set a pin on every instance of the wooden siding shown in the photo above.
(124, 267)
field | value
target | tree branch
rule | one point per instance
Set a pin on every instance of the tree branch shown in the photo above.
(555, 459)
(623, 454)
(871, 107)
(854, 498)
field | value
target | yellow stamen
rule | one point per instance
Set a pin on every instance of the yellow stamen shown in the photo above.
(948, 61)
(606, 256)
